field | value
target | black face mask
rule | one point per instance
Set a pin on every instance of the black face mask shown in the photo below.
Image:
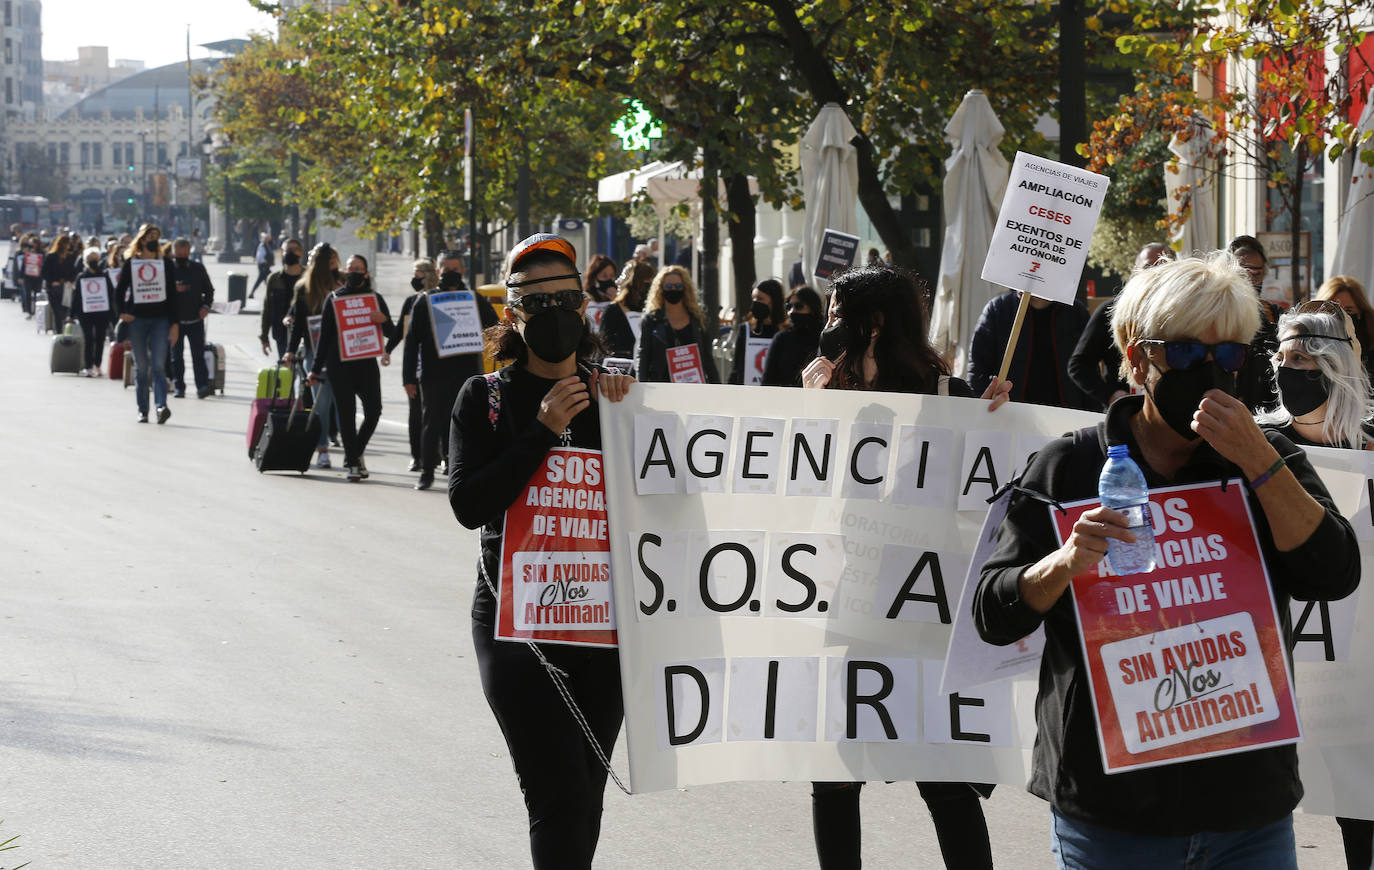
(673, 297)
(761, 310)
(417, 284)
(806, 322)
(291, 259)
(181, 262)
(554, 334)
(150, 246)
(356, 280)
(606, 285)
(1302, 391)
(1178, 392)
(450, 280)
(834, 339)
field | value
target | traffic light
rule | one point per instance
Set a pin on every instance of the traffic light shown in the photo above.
(129, 200)
(131, 167)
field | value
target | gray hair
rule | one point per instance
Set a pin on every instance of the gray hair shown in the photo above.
(1348, 403)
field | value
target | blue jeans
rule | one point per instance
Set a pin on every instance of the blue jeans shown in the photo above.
(149, 338)
(195, 334)
(1079, 845)
(324, 401)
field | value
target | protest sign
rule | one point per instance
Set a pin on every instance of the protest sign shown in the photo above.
(1187, 661)
(312, 325)
(684, 365)
(838, 252)
(457, 326)
(149, 280)
(359, 336)
(595, 311)
(95, 295)
(33, 265)
(555, 556)
(755, 351)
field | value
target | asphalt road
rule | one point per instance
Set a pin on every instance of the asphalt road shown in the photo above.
(204, 667)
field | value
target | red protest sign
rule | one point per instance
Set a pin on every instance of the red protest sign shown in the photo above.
(556, 556)
(1187, 661)
(359, 336)
(684, 365)
(33, 265)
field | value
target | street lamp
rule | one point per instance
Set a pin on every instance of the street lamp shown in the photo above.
(143, 161)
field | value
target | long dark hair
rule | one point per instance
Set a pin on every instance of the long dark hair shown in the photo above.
(811, 299)
(504, 339)
(772, 288)
(594, 268)
(887, 299)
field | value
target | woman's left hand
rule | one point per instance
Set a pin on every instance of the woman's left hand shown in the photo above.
(999, 392)
(1228, 426)
(612, 387)
(386, 359)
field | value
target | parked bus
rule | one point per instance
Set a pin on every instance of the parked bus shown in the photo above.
(28, 212)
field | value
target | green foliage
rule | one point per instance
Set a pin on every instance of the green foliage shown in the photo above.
(643, 222)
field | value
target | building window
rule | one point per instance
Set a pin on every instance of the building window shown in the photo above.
(9, 13)
(52, 154)
(66, 153)
(97, 155)
(9, 51)
(161, 154)
(129, 154)
(116, 151)
(85, 155)
(147, 153)
(9, 92)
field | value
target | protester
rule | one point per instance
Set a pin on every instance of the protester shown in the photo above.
(547, 398)
(1183, 330)
(437, 378)
(599, 279)
(276, 301)
(1255, 382)
(1040, 362)
(31, 284)
(59, 278)
(675, 324)
(424, 278)
(876, 340)
(1349, 294)
(621, 323)
(1095, 366)
(146, 307)
(352, 380)
(795, 344)
(263, 257)
(320, 279)
(94, 323)
(191, 303)
(754, 336)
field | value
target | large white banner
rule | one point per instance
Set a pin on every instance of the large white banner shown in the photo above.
(788, 564)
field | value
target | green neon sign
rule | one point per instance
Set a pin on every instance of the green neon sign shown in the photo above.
(636, 127)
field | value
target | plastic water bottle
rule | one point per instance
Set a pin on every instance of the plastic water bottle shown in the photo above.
(1122, 488)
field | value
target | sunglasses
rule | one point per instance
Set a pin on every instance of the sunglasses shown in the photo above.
(534, 303)
(674, 287)
(1320, 306)
(1184, 355)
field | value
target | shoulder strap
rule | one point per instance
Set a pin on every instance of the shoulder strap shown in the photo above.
(493, 398)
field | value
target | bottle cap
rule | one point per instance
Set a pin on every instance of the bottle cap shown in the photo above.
(1118, 450)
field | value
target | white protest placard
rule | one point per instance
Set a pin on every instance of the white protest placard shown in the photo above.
(150, 281)
(1047, 218)
(33, 265)
(457, 326)
(95, 295)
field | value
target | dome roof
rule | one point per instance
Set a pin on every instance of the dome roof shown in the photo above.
(161, 86)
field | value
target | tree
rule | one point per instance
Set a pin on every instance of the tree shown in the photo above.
(36, 173)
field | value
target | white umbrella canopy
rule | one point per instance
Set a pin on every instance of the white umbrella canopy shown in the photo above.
(975, 179)
(830, 180)
(1199, 232)
(1355, 244)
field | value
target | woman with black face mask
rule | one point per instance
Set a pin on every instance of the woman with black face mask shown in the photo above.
(876, 340)
(1349, 294)
(796, 343)
(675, 339)
(276, 303)
(599, 279)
(621, 322)
(424, 278)
(1183, 330)
(143, 295)
(754, 335)
(352, 380)
(504, 427)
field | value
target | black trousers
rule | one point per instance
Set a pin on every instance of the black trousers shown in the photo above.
(28, 290)
(355, 382)
(193, 334)
(437, 397)
(264, 272)
(1358, 835)
(93, 328)
(59, 311)
(415, 426)
(560, 776)
(954, 808)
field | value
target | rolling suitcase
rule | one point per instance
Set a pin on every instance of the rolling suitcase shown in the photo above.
(288, 440)
(274, 383)
(214, 364)
(130, 369)
(68, 352)
(275, 395)
(116, 363)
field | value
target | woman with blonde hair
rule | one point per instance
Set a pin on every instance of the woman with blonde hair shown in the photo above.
(146, 306)
(675, 336)
(620, 324)
(1349, 293)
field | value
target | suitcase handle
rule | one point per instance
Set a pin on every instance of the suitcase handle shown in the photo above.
(296, 406)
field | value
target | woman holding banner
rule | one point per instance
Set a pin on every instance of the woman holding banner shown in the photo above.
(307, 310)
(348, 349)
(1140, 773)
(508, 427)
(675, 337)
(876, 340)
(145, 304)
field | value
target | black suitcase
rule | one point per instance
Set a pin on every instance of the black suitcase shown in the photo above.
(288, 441)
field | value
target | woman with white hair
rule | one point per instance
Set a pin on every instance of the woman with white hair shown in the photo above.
(1183, 330)
(93, 307)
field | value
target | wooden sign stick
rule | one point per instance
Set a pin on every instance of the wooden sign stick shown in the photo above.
(1015, 334)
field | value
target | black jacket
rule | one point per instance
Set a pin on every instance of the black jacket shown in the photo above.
(1095, 366)
(990, 342)
(1225, 793)
(78, 303)
(403, 323)
(125, 294)
(199, 293)
(276, 303)
(791, 351)
(328, 352)
(1255, 380)
(742, 336)
(616, 332)
(422, 363)
(656, 336)
(57, 270)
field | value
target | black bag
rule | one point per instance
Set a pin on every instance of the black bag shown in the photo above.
(288, 440)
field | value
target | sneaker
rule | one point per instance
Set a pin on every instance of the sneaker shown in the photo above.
(362, 469)
(414, 465)
(208, 391)
(425, 482)
(163, 414)
(179, 394)
(354, 474)
(323, 461)
(143, 416)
